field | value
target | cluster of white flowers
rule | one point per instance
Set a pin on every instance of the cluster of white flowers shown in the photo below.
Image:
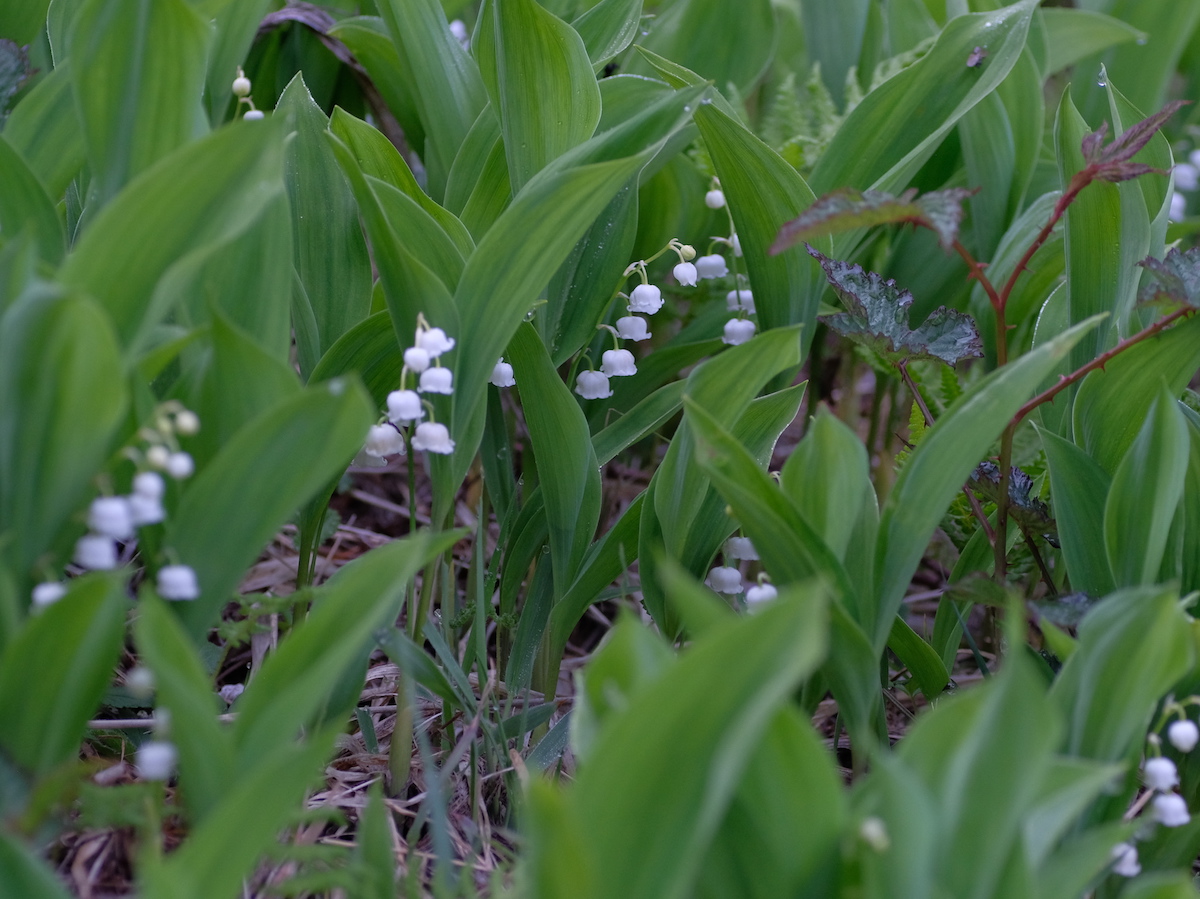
(1187, 179)
(727, 578)
(115, 519)
(405, 406)
(1161, 777)
(241, 90)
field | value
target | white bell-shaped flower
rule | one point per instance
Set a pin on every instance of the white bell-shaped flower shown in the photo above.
(241, 86)
(740, 548)
(1170, 810)
(593, 385)
(760, 593)
(155, 760)
(434, 341)
(502, 375)
(157, 456)
(1125, 856)
(253, 115)
(738, 331)
(110, 516)
(630, 327)
(645, 298)
(404, 406)
(1184, 735)
(725, 580)
(96, 552)
(187, 422)
(714, 199)
(433, 438)
(685, 274)
(1194, 158)
(437, 380)
(739, 301)
(416, 359)
(149, 484)
(1160, 774)
(146, 510)
(618, 363)
(1178, 210)
(1187, 176)
(48, 593)
(383, 440)
(180, 465)
(230, 692)
(713, 266)
(177, 582)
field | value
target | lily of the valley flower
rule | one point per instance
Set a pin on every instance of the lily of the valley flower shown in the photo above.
(618, 363)
(1170, 810)
(180, 465)
(714, 199)
(437, 380)
(433, 438)
(685, 274)
(177, 582)
(1126, 857)
(725, 580)
(95, 552)
(740, 301)
(434, 341)
(1183, 735)
(645, 298)
(1160, 774)
(383, 440)
(630, 327)
(738, 331)
(502, 375)
(740, 548)
(761, 593)
(712, 266)
(155, 759)
(404, 406)
(110, 516)
(593, 385)
(416, 359)
(48, 593)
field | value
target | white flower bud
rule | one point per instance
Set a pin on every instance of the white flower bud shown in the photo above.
(874, 833)
(714, 199)
(433, 438)
(740, 300)
(96, 552)
(738, 331)
(253, 115)
(1194, 158)
(502, 375)
(177, 582)
(437, 380)
(230, 692)
(180, 466)
(593, 385)
(383, 440)
(140, 681)
(404, 406)
(1160, 774)
(458, 28)
(618, 363)
(1187, 176)
(434, 341)
(146, 510)
(149, 485)
(760, 593)
(1170, 810)
(416, 359)
(157, 456)
(110, 516)
(685, 274)
(725, 580)
(713, 266)
(48, 593)
(241, 86)
(187, 422)
(1178, 210)
(1125, 856)
(687, 251)
(646, 298)
(630, 327)
(740, 548)
(1184, 735)
(155, 760)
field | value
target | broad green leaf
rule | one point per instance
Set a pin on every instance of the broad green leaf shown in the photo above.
(903, 866)
(1190, 579)
(1112, 402)
(282, 457)
(236, 29)
(559, 859)
(330, 252)
(897, 127)
(480, 150)
(540, 82)
(55, 671)
(185, 689)
(834, 34)
(25, 873)
(373, 848)
(44, 128)
(447, 90)
(990, 155)
(699, 34)
(940, 464)
(566, 461)
(1074, 34)
(368, 350)
(138, 70)
(298, 681)
(763, 192)
(21, 20)
(1133, 647)
(1079, 488)
(608, 28)
(1024, 102)
(1146, 489)
(919, 657)
(651, 813)
(24, 205)
(204, 193)
(1068, 787)
(877, 317)
(639, 421)
(63, 396)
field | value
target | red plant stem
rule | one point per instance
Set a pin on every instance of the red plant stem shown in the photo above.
(1102, 360)
(977, 273)
(1079, 181)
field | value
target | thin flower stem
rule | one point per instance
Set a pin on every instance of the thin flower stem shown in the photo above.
(1102, 360)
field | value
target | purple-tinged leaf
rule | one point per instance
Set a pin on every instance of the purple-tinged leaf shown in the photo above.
(1111, 163)
(1125, 171)
(1027, 510)
(847, 209)
(877, 317)
(1174, 280)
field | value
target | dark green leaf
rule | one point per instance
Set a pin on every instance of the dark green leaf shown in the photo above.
(1174, 279)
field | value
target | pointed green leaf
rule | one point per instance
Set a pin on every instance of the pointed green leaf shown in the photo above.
(24, 205)
(1079, 488)
(608, 28)
(44, 128)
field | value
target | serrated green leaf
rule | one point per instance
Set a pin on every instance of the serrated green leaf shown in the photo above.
(1174, 279)
(878, 318)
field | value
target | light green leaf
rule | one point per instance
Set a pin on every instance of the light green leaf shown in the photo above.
(24, 205)
(138, 70)
(236, 27)
(608, 28)
(834, 34)
(1079, 488)
(1073, 34)
(24, 873)
(44, 128)
(21, 20)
